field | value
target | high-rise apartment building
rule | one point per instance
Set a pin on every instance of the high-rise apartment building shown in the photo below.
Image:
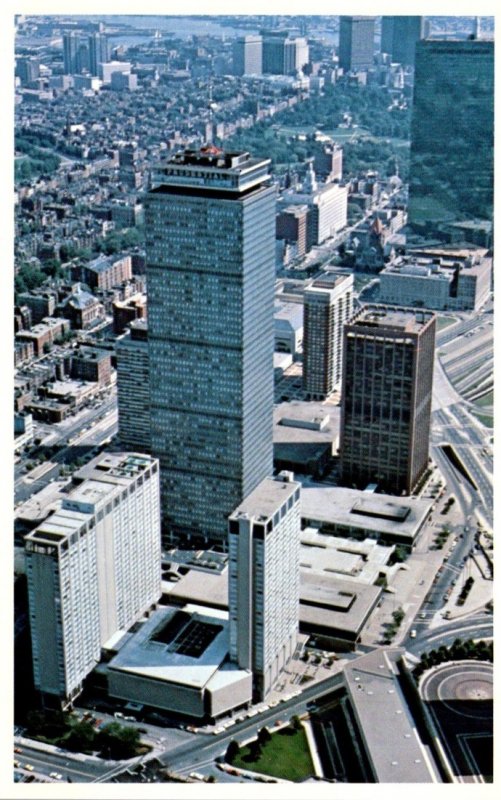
(210, 241)
(93, 568)
(356, 43)
(452, 144)
(133, 388)
(248, 55)
(264, 539)
(388, 360)
(399, 36)
(328, 304)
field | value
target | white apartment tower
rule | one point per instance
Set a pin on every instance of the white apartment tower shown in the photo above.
(328, 304)
(93, 569)
(263, 540)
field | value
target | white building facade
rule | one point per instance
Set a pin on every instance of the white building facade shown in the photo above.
(263, 540)
(327, 306)
(93, 568)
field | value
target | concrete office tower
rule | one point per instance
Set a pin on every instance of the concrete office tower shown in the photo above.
(27, 69)
(327, 207)
(93, 569)
(248, 55)
(399, 36)
(356, 43)
(388, 359)
(328, 304)
(283, 55)
(210, 241)
(452, 144)
(328, 163)
(263, 538)
(133, 384)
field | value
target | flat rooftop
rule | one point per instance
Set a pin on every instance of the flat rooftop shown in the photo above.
(401, 319)
(184, 646)
(103, 263)
(290, 314)
(334, 604)
(298, 422)
(118, 468)
(326, 599)
(91, 491)
(353, 508)
(330, 282)
(44, 502)
(59, 526)
(385, 720)
(347, 559)
(267, 498)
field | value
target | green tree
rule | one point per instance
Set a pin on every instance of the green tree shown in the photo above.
(117, 741)
(264, 735)
(81, 737)
(232, 751)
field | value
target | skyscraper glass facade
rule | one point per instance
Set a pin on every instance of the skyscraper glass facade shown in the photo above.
(388, 362)
(452, 144)
(356, 43)
(210, 223)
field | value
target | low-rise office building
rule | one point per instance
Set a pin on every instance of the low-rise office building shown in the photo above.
(288, 322)
(351, 512)
(90, 364)
(178, 661)
(43, 335)
(105, 272)
(439, 278)
(305, 437)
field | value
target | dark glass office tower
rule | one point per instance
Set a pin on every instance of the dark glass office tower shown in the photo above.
(452, 144)
(210, 240)
(388, 361)
(399, 36)
(356, 43)
(98, 52)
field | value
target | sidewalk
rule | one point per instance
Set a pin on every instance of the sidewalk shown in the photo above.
(412, 580)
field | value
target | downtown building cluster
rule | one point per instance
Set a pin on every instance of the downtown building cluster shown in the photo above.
(195, 393)
(203, 410)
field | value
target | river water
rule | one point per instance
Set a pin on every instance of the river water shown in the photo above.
(180, 27)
